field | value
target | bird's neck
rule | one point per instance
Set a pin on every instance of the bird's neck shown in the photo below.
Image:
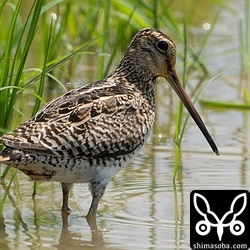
(131, 73)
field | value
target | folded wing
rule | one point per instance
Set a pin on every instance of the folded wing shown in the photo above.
(93, 121)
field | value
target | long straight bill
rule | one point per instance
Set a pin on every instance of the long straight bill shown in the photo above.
(176, 85)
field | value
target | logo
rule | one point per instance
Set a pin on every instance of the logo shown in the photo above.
(219, 219)
(203, 227)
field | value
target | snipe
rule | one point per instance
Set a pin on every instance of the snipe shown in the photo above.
(89, 134)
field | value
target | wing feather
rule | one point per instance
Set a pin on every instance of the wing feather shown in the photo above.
(86, 122)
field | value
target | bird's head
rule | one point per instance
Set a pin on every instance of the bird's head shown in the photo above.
(154, 52)
(151, 53)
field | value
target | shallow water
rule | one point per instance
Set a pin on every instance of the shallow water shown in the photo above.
(142, 207)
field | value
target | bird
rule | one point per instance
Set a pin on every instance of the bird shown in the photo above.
(90, 133)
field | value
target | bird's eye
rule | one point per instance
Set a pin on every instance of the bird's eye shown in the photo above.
(162, 45)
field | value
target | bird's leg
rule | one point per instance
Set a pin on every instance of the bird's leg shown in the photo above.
(93, 208)
(66, 187)
(97, 190)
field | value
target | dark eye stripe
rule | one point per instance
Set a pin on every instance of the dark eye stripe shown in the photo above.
(162, 45)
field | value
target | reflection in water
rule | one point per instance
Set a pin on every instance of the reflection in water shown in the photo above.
(3, 234)
(4, 239)
(71, 240)
(67, 239)
(179, 215)
(245, 146)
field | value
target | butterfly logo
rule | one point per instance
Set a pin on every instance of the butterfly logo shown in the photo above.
(203, 227)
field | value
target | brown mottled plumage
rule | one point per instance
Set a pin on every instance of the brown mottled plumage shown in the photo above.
(88, 134)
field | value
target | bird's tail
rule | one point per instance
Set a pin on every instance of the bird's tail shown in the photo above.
(9, 155)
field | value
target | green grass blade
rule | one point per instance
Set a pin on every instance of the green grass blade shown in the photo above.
(2, 201)
(5, 68)
(180, 105)
(43, 74)
(105, 38)
(2, 6)
(60, 61)
(226, 105)
(23, 57)
(194, 101)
